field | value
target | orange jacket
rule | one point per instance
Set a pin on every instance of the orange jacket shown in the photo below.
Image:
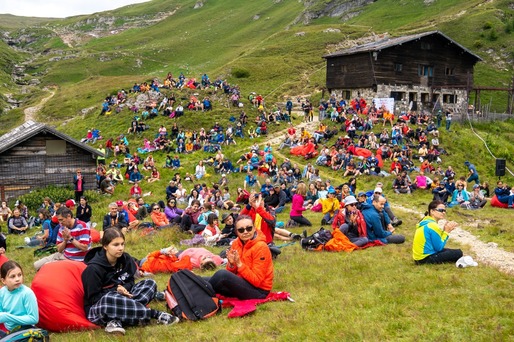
(257, 268)
(159, 219)
(339, 242)
(162, 263)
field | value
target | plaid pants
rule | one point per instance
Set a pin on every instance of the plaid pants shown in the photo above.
(130, 311)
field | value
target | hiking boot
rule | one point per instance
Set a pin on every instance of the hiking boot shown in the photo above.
(396, 222)
(323, 221)
(114, 327)
(160, 296)
(167, 319)
(296, 237)
(304, 233)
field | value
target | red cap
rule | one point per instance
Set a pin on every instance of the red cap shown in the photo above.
(55, 219)
(119, 203)
(70, 203)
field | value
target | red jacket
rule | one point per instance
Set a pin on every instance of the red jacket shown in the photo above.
(257, 268)
(267, 224)
(340, 218)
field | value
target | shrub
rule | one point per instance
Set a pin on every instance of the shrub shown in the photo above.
(492, 35)
(34, 199)
(487, 25)
(241, 73)
(478, 44)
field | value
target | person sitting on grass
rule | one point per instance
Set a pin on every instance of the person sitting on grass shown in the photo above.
(18, 304)
(351, 223)
(111, 297)
(114, 219)
(378, 224)
(159, 218)
(249, 272)
(431, 236)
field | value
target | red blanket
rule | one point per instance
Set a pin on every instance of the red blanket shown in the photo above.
(244, 307)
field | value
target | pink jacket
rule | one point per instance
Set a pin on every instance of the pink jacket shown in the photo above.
(297, 205)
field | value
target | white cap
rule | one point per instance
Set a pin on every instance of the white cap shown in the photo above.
(466, 261)
(377, 189)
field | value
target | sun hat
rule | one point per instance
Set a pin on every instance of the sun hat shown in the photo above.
(466, 261)
(223, 175)
(377, 189)
(349, 200)
(224, 217)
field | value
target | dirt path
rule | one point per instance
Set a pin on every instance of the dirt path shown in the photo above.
(31, 112)
(484, 253)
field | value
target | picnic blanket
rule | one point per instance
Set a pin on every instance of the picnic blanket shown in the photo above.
(245, 307)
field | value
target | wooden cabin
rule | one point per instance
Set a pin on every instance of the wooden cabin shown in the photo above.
(420, 69)
(35, 155)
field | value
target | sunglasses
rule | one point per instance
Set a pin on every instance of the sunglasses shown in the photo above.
(247, 229)
(440, 210)
(156, 208)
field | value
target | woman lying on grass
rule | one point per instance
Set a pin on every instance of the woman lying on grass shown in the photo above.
(430, 238)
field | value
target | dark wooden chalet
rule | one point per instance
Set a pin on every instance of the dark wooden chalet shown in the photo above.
(430, 60)
(36, 155)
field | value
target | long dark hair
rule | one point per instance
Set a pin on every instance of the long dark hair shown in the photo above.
(432, 206)
(111, 234)
(8, 266)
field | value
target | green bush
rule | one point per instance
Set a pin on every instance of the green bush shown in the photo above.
(34, 199)
(241, 73)
(487, 25)
(493, 36)
(478, 44)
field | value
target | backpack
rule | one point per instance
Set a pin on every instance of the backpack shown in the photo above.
(46, 250)
(321, 237)
(190, 297)
(31, 334)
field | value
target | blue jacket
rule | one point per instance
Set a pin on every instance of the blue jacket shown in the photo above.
(374, 226)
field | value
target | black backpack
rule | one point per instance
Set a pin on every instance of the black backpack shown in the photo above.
(321, 237)
(190, 297)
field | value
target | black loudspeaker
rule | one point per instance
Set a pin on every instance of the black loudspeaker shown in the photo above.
(500, 167)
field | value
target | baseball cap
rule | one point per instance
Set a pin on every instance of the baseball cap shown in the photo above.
(362, 193)
(378, 190)
(223, 175)
(70, 203)
(476, 186)
(331, 190)
(119, 203)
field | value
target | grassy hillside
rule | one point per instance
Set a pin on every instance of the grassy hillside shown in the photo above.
(375, 294)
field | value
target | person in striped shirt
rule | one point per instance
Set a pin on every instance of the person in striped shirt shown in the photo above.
(73, 239)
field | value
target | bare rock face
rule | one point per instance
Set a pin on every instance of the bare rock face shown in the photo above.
(198, 5)
(332, 8)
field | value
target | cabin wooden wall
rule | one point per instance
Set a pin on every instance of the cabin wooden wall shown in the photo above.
(27, 166)
(366, 70)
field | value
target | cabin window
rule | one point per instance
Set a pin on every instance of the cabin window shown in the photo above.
(398, 67)
(449, 98)
(346, 94)
(424, 97)
(398, 95)
(55, 147)
(425, 70)
(449, 71)
(426, 46)
(343, 68)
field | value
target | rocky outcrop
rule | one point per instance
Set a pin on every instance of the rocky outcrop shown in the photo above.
(344, 10)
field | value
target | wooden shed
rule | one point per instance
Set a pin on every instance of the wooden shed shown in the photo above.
(36, 155)
(419, 68)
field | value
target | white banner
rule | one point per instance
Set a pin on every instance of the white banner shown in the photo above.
(387, 102)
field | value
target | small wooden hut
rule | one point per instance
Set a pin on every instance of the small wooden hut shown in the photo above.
(36, 155)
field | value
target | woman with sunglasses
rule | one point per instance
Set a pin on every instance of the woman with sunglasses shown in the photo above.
(249, 273)
(173, 214)
(159, 218)
(431, 237)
